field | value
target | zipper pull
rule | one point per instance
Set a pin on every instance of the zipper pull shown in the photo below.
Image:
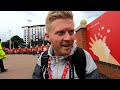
(56, 59)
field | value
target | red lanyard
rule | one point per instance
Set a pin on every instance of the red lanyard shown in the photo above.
(67, 65)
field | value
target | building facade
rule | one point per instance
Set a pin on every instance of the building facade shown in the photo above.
(34, 34)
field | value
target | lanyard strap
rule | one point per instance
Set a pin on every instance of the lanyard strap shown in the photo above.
(67, 65)
(49, 74)
(71, 72)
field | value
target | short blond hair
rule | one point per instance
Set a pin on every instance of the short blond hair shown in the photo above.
(53, 15)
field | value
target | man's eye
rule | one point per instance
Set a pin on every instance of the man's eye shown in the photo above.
(71, 32)
(61, 33)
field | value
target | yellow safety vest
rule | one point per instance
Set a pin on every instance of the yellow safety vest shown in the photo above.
(2, 53)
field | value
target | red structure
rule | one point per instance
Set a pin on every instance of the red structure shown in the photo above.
(101, 37)
(106, 27)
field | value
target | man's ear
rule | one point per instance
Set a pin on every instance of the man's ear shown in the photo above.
(47, 36)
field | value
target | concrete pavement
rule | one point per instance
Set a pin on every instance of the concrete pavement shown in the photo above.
(19, 66)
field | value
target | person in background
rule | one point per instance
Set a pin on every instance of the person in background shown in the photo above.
(2, 57)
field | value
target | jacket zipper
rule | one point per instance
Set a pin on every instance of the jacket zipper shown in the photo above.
(57, 67)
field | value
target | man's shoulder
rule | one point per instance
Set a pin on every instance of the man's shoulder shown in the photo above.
(79, 56)
(42, 57)
(81, 51)
(39, 59)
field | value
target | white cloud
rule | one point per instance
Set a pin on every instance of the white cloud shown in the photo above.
(87, 15)
(14, 20)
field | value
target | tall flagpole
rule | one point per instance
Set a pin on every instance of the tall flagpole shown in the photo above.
(9, 39)
(29, 34)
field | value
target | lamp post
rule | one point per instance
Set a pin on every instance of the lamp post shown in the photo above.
(29, 32)
(10, 39)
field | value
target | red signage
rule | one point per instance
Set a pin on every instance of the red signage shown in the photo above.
(103, 36)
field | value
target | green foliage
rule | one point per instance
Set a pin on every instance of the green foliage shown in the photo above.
(6, 44)
(16, 42)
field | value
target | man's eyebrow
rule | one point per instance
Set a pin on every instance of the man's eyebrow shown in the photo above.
(59, 31)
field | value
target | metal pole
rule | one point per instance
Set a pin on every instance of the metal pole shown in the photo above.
(10, 39)
(29, 32)
(13, 44)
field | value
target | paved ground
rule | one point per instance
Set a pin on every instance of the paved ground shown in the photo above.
(19, 66)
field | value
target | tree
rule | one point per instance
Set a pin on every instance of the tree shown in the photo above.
(17, 42)
(6, 44)
(46, 41)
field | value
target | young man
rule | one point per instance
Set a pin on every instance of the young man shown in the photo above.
(2, 56)
(60, 32)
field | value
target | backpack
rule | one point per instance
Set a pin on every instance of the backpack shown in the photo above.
(78, 60)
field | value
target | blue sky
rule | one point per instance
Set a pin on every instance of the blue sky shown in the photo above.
(14, 20)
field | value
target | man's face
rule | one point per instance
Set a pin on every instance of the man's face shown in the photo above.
(61, 36)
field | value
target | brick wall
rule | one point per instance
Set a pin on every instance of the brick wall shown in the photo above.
(81, 39)
(109, 70)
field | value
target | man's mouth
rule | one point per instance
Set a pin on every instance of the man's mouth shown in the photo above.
(66, 45)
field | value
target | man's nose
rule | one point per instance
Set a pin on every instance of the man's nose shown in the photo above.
(67, 36)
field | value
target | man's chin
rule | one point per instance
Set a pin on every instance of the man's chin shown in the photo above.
(65, 53)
